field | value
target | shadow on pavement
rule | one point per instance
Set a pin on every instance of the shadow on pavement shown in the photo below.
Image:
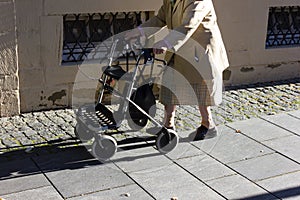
(66, 155)
(282, 194)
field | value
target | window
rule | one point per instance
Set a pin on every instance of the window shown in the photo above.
(283, 27)
(84, 32)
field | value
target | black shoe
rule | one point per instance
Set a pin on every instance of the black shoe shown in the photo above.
(204, 133)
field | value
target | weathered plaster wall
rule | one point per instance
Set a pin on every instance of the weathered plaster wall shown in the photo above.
(44, 82)
(244, 24)
(9, 83)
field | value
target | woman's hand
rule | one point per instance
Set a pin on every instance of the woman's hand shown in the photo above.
(160, 47)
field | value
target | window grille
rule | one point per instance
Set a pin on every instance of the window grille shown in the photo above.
(83, 33)
(283, 27)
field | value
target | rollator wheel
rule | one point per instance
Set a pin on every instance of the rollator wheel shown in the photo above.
(166, 141)
(82, 133)
(104, 148)
(137, 124)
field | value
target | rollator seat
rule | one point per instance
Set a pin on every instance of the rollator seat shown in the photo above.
(116, 72)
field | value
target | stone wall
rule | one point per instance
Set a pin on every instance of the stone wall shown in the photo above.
(9, 83)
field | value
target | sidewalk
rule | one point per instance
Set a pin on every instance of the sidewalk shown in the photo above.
(255, 156)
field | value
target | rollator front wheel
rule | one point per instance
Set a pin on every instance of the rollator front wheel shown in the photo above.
(104, 148)
(166, 141)
(82, 133)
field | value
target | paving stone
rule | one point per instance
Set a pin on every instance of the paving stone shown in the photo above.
(46, 121)
(16, 168)
(25, 141)
(67, 116)
(9, 127)
(75, 173)
(286, 121)
(45, 193)
(232, 147)
(295, 113)
(86, 180)
(57, 120)
(184, 150)
(67, 158)
(204, 167)
(119, 193)
(14, 185)
(238, 187)
(285, 186)
(29, 132)
(259, 129)
(173, 181)
(289, 146)
(141, 159)
(264, 167)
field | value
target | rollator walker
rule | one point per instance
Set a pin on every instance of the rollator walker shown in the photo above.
(136, 105)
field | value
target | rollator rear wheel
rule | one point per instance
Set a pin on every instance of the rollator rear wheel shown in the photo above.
(104, 148)
(137, 124)
(82, 133)
(166, 141)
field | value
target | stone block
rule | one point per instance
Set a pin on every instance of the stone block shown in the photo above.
(19, 184)
(121, 193)
(17, 168)
(8, 57)
(173, 181)
(295, 114)
(74, 172)
(232, 147)
(261, 131)
(288, 146)
(284, 187)
(2, 78)
(9, 103)
(48, 193)
(141, 160)
(10, 83)
(238, 187)
(204, 167)
(184, 150)
(260, 168)
(285, 121)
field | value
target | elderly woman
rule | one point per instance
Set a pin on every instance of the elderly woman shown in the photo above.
(195, 52)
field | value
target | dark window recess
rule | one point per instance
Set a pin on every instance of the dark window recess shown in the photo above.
(84, 33)
(283, 27)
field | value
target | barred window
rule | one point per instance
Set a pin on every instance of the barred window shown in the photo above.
(84, 32)
(283, 27)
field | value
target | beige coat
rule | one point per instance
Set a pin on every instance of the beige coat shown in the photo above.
(198, 49)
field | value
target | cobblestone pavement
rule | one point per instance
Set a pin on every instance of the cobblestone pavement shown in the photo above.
(244, 102)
